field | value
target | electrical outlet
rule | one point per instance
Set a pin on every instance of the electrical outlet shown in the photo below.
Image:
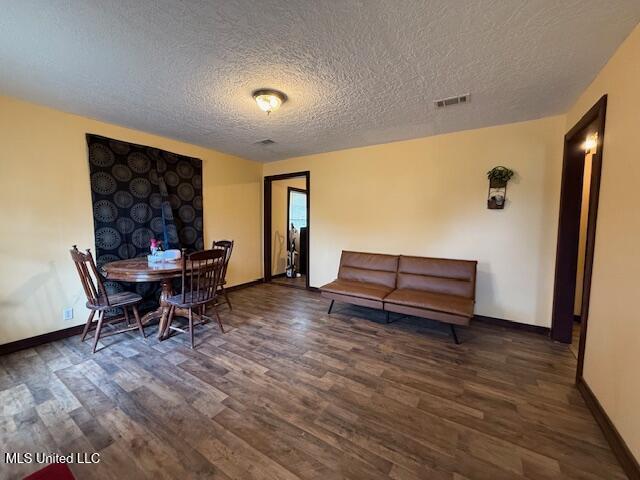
(67, 314)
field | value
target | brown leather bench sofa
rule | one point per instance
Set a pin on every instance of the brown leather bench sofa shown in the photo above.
(433, 288)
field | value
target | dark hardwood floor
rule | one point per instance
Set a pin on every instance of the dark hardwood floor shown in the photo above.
(290, 392)
(300, 282)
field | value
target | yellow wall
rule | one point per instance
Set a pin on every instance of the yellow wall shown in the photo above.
(428, 197)
(279, 227)
(612, 354)
(45, 208)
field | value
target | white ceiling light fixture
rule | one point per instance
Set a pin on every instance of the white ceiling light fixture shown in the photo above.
(269, 100)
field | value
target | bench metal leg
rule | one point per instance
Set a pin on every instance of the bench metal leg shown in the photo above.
(331, 307)
(453, 334)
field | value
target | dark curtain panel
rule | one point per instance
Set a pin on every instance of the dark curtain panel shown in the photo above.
(140, 193)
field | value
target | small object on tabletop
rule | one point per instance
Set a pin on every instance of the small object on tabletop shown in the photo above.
(159, 255)
(155, 246)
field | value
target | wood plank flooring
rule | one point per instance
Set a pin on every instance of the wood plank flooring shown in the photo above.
(290, 392)
(300, 282)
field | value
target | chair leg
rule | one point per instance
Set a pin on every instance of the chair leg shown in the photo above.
(453, 334)
(86, 327)
(215, 310)
(227, 297)
(191, 326)
(126, 316)
(138, 322)
(98, 330)
(331, 307)
(167, 331)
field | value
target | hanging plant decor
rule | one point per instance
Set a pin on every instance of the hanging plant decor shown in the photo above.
(498, 178)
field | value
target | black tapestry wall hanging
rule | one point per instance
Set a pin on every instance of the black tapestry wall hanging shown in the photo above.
(139, 193)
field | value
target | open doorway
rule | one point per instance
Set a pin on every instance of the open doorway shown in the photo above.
(590, 149)
(286, 229)
(582, 166)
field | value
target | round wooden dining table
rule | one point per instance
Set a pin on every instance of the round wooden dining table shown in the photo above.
(140, 270)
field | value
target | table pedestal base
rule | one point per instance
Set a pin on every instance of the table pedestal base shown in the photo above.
(162, 312)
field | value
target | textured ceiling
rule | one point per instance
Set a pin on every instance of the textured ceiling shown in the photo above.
(356, 72)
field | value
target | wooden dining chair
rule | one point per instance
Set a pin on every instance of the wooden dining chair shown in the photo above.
(201, 275)
(98, 300)
(227, 247)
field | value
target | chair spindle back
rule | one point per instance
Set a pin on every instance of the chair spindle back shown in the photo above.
(201, 275)
(90, 277)
(227, 247)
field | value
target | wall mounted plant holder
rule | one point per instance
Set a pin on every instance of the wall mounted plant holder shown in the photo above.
(498, 179)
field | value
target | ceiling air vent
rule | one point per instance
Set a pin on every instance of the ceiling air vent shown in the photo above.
(266, 141)
(447, 102)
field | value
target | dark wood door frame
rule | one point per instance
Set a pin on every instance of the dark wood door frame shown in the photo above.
(268, 220)
(569, 227)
